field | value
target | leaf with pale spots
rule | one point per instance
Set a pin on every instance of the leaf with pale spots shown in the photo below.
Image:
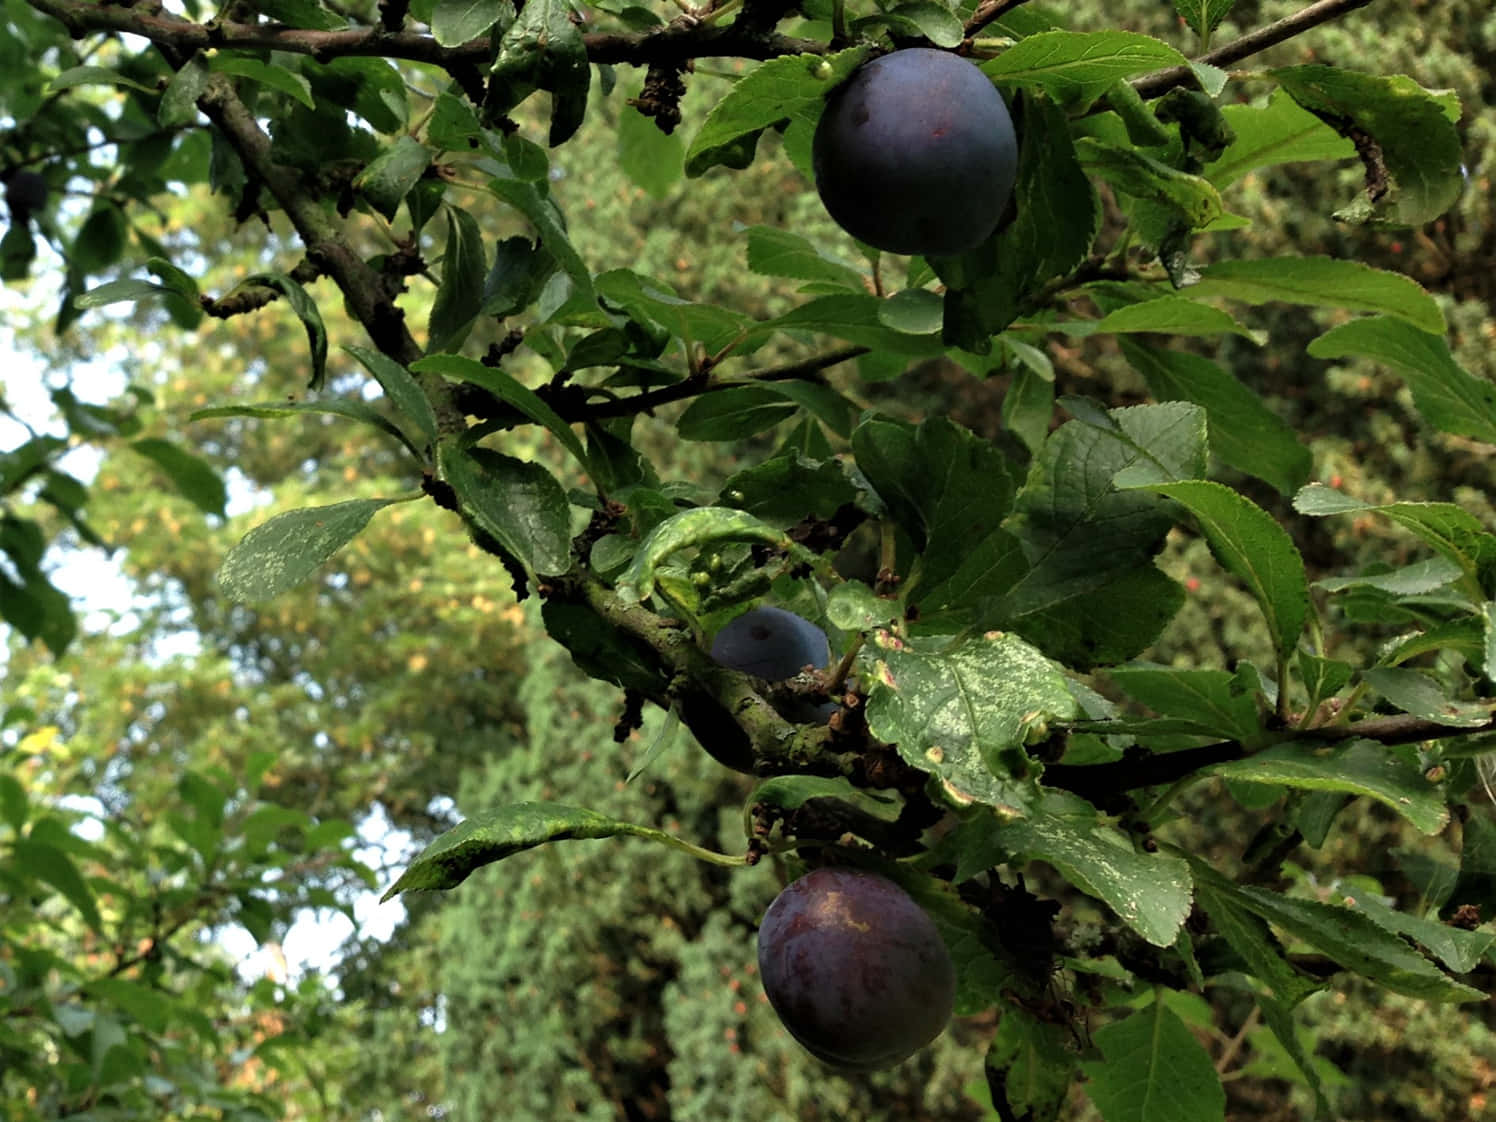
(963, 711)
(291, 547)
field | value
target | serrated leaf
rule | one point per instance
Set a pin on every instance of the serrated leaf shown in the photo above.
(734, 413)
(1451, 530)
(403, 391)
(1143, 177)
(773, 252)
(788, 488)
(51, 866)
(1390, 775)
(1321, 282)
(1461, 951)
(924, 18)
(790, 792)
(193, 476)
(1164, 315)
(289, 548)
(497, 834)
(518, 502)
(773, 91)
(1077, 67)
(389, 177)
(1418, 694)
(1031, 1064)
(1203, 16)
(1359, 945)
(1278, 132)
(508, 389)
(1210, 700)
(692, 529)
(1411, 146)
(1244, 433)
(1154, 1071)
(963, 713)
(853, 317)
(280, 78)
(1449, 397)
(306, 311)
(455, 22)
(1151, 892)
(1251, 546)
(338, 407)
(459, 296)
(529, 200)
(1249, 936)
(853, 606)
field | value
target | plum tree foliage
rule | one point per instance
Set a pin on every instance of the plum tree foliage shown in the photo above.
(915, 153)
(1003, 793)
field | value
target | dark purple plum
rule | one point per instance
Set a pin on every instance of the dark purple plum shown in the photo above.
(915, 153)
(771, 643)
(25, 193)
(855, 969)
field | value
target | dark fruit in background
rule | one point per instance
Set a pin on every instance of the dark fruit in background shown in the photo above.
(916, 153)
(25, 193)
(855, 969)
(771, 643)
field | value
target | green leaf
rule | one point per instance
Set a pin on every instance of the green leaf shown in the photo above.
(1210, 700)
(1151, 892)
(1165, 315)
(791, 792)
(119, 291)
(734, 413)
(963, 712)
(13, 803)
(497, 834)
(692, 529)
(281, 78)
(1410, 146)
(459, 296)
(528, 199)
(403, 390)
(1028, 406)
(48, 864)
(179, 100)
(1117, 620)
(788, 488)
(1143, 177)
(389, 177)
(338, 407)
(1251, 546)
(95, 76)
(648, 156)
(661, 744)
(794, 85)
(1203, 16)
(1031, 1063)
(773, 252)
(193, 475)
(1390, 775)
(1461, 951)
(517, 502)
(1077, 67)
(923, 18)
(505, 387)
(1277, 132)
(306, 311)
(1451, 530)
(1247, 935)
(455, 22)
(1321, 282)
(1244, 433)
(1418, 694)
(1449, 397)
(914, 311)
(853, 606)
(1359, 945)
(853, 317)
(650, 301)
(150, 1007)
(1154, 1070)
(289, 548)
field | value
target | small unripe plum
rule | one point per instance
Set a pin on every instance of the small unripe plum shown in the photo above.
(855, 969)
(916, 153)
(771, 643)
(25, 193)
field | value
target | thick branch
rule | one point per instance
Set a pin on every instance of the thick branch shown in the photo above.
(666, 44)
(987, 11)
(1250, 43)
(1100, 780)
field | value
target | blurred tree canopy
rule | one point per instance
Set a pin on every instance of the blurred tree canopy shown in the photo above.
(382, 444)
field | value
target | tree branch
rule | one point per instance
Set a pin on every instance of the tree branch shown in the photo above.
(1100, 780)
(988, 11)
(667, 44)
(1250, 44)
